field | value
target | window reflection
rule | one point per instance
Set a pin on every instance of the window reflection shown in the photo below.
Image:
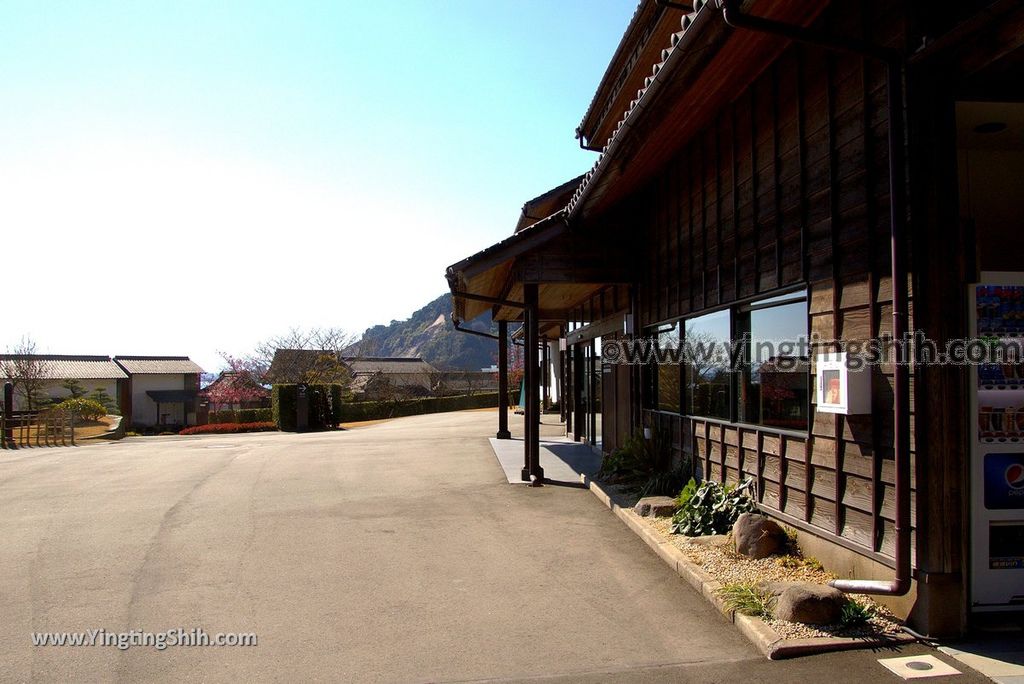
(707, 371)
(668, 373)
(774, 378)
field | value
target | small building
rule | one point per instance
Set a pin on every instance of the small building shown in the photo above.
(307, 366)
(235, 390)
(161, 390)
(95, 375)
(390, 377)
(368, 377)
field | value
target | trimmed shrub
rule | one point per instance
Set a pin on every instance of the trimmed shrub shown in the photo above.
(81, 408)
(282, 399)
(256, 415)
(229, 428)
(323, 402)
(379, 410)
(224, 416)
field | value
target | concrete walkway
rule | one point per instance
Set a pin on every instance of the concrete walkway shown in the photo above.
(562, 459)
(393, 553)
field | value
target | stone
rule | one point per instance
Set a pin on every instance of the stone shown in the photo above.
(758, 536)
(655, 506)
(811, 604)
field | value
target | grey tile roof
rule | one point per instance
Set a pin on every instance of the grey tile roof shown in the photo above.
(370, 364)
(67, 367)
(635, 106)
(152, 365)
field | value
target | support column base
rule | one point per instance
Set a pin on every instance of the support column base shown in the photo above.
(503, 434)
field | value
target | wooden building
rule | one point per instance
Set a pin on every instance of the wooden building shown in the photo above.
(837, 171)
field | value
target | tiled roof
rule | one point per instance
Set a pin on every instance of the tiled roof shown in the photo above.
(651, 85)
(64, 367)
(388, 365)
(152, 365)
(542, 206)
(235, 382)
(613, 63)
(300, 365)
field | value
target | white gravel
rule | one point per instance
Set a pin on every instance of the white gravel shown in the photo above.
(717, 558)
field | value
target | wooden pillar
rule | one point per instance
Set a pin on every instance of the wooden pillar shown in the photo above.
(577, 392)
(545, 373)
(503, 432)
(561, 385)
(8, 440)
(532, 470)
(592, 393)
(568, 398)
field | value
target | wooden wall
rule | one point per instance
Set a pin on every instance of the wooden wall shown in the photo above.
(788, 187)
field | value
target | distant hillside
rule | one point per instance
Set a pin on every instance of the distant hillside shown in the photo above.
(429, 333)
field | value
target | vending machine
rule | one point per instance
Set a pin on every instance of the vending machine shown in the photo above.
(997, 454)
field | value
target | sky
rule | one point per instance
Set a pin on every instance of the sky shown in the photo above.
(191, 178)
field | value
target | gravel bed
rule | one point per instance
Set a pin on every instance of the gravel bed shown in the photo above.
(715, 556)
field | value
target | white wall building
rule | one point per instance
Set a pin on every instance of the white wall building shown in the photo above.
(161, 390)
(91, 373)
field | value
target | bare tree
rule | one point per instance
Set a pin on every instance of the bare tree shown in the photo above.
(325, 366)
(26, 371)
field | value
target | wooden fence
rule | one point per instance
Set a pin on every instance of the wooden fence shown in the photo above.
(45, 428)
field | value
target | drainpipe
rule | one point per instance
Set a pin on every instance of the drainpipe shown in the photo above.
(585, 145)
(893, 61)
(469, 331)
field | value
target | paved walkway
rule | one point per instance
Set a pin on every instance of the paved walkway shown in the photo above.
(393, 553)
(563, 460)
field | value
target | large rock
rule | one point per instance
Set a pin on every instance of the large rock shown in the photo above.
(758, 536)
(655, 506)
(811, 604)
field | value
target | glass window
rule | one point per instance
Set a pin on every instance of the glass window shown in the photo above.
(707, 375)
(773, 383)
(668, 369)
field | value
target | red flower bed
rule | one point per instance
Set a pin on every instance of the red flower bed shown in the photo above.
(227, 428)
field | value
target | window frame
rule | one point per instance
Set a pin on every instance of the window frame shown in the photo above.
(782, 297)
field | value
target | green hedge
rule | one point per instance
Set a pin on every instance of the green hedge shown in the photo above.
(325, 406)
(259, 415)
(378, 410)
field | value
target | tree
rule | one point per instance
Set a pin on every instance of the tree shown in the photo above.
(241, 383)
(326, 366)
(29, 373)
(100, 395)
(74, 388)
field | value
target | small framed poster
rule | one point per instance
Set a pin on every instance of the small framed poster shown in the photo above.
(841, 390)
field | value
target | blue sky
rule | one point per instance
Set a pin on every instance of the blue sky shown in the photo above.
(169, 170)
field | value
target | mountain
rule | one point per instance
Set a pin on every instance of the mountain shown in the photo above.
(429, 334)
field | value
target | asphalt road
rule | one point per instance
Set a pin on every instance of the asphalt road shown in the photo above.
(393, 553)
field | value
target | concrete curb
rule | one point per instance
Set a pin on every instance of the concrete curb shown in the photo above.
(116, 432)
(766, 639)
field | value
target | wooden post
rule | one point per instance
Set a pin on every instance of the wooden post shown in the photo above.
(503, 432)
(532, 470)
(561, 385)
(577, 392)
(568, 400)
(545, 373)
(8, 415)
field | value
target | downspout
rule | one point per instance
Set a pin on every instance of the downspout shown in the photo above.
(894, 62)
(469, 331)
(585, 145)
